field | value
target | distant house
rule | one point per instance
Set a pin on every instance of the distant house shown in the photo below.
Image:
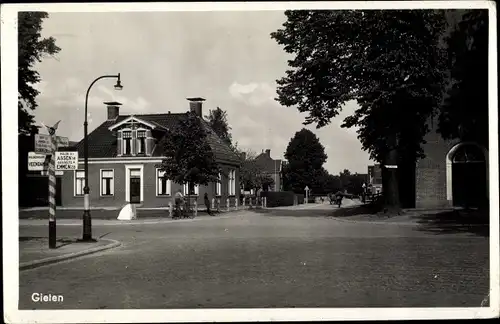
(124, 156)
(271, 167)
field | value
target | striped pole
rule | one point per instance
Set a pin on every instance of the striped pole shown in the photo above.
(52, 191)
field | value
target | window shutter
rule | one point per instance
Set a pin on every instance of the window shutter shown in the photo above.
(119, 143)
(149, 143)
(133, 143)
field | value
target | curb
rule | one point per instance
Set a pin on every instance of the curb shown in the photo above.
(68, 256)
(373, 222)
(389, 222)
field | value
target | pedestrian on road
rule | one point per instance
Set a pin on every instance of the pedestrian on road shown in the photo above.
(207, 203)
(179, 200)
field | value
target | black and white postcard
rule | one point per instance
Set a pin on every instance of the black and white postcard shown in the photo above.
(249, 161)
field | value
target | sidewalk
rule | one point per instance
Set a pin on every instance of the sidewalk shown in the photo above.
(34, 251)
(139, 221)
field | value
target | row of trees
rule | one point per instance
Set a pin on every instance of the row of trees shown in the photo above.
(398, 66)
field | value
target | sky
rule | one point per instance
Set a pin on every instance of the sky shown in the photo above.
(228, 58)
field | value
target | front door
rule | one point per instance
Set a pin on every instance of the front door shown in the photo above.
(135, 187)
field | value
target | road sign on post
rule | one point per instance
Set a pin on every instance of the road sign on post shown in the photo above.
(307, 194)
(43, 143)
(66, 161)
(38, 162)
(42, 146)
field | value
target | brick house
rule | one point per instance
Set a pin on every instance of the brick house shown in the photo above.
(271, 167)
(453, 173)
(124, 154)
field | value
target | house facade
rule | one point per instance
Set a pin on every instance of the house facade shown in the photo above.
(125, 154)
(271, 167)
(453, 173)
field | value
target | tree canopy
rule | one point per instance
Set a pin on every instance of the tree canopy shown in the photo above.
(305, 158)
(32, 49)
(387, 61)
(217, 119)
(189, 157)
(464, 114)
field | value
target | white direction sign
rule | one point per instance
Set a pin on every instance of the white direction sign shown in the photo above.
(43, 143)
(37, 162)
(306, 188)
(66, 161)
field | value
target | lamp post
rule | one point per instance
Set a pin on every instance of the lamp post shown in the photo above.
(87, 222)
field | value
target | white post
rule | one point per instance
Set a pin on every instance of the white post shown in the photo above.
(250, 202)
(195, 211)
(235, 203)
(213, 203)
(262, 201)
(218, 205)
(227, 204)
(243, 202)
(170, 209)
(265, 202)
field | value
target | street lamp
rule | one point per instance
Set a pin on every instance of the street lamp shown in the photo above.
(87, 222)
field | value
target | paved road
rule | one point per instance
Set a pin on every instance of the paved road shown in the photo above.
(264, 260)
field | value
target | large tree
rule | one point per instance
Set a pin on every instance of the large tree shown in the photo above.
(464, 114)
(387, 61)
(305, 157)
(217, 119)
(189, 159)
(32, 49)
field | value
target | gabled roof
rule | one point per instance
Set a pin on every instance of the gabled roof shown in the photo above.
(151, 124)
(102, 141)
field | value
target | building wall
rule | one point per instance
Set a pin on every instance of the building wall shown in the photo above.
(150, 198)
(430, 172)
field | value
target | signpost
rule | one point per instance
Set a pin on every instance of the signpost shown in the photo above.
(43, 143)
(66, 161)
(47, 144)
(307, 194)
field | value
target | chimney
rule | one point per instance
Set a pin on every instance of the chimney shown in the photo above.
(195, 105)
(268, 152)
(113, 109)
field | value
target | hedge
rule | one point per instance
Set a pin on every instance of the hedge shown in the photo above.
(281, 198)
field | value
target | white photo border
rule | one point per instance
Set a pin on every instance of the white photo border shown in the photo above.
(10, 170)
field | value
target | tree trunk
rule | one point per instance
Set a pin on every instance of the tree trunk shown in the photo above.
(390, 183)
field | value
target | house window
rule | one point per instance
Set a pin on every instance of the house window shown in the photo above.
(107, 182)
(218, 186)
(79, 182)
(127, 142)
(141, 142)
(232, 183)
(191, 189)
(164, 185)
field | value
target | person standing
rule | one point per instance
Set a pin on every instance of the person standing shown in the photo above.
(179, 201)
(207, 204)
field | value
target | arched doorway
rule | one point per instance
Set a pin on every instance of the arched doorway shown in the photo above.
(468, 177)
